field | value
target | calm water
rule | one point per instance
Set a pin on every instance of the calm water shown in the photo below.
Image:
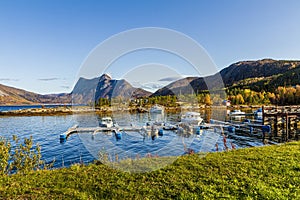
(84, 147)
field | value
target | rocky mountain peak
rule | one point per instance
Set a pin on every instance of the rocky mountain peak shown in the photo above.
(105, 77)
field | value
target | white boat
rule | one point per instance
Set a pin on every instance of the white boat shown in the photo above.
(156, 109)
(258, 113)
(191, 118)
(236, 113)
(106, 122)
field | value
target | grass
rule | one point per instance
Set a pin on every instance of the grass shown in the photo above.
(271, 172)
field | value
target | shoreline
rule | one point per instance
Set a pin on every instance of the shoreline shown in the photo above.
(69, 109)
(38, 112)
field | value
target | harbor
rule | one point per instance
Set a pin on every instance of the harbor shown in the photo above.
(84, 141)
(274, 125)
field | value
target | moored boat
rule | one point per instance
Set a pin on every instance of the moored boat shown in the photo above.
(192, 118)
(258, 113)
(236, 113)
(106, 122)
(157, 109)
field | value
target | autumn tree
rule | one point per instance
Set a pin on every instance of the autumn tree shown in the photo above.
(207, 100)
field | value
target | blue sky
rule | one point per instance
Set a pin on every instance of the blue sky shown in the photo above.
(44, 43)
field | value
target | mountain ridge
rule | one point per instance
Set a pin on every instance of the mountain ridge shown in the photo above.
(256, 75)
(14, 96)
(232, 74)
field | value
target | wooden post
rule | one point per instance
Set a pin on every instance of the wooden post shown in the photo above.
(276, 126)
(263, 115)
(292, 126)
(295, 128)
(286, 127)
(263, 137)
(297, 133)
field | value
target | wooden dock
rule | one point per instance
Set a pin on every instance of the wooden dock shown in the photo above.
(284, 121)
(245, 128)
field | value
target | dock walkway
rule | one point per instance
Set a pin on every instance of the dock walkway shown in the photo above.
(76, 129)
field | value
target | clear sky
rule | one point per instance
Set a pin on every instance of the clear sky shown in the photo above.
(44, 43)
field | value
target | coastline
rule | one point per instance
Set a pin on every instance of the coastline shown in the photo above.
(38, 111)
(60, 109)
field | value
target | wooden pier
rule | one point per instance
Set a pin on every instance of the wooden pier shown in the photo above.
(246, 128)
(284, 121)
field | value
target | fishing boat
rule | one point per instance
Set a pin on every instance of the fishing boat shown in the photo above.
(157, 109)
(106, 122)
(192, 118)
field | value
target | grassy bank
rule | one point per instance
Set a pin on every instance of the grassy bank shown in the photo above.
(254, 173)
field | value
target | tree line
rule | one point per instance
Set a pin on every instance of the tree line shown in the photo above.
(281, 96)
(237, 96)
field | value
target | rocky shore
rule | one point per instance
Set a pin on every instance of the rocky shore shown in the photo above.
(68, 110)
(39, 111)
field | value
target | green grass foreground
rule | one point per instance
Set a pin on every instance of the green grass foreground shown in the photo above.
(271, 172)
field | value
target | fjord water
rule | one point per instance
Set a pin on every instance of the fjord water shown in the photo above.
(84, 147)
(45, 131)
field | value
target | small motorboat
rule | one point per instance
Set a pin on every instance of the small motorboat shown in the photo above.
(236, 113)
(106, 122)
(157, 109)
(258, 114)
(191, 118)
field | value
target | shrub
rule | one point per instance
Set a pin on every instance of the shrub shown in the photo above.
(23, 159)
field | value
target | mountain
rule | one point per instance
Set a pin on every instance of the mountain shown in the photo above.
(14, 96)
(288, 78)
(176, 87)
(84, 90)
(110, 88)
(276, 71)
(256, 69)
(88, 90)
